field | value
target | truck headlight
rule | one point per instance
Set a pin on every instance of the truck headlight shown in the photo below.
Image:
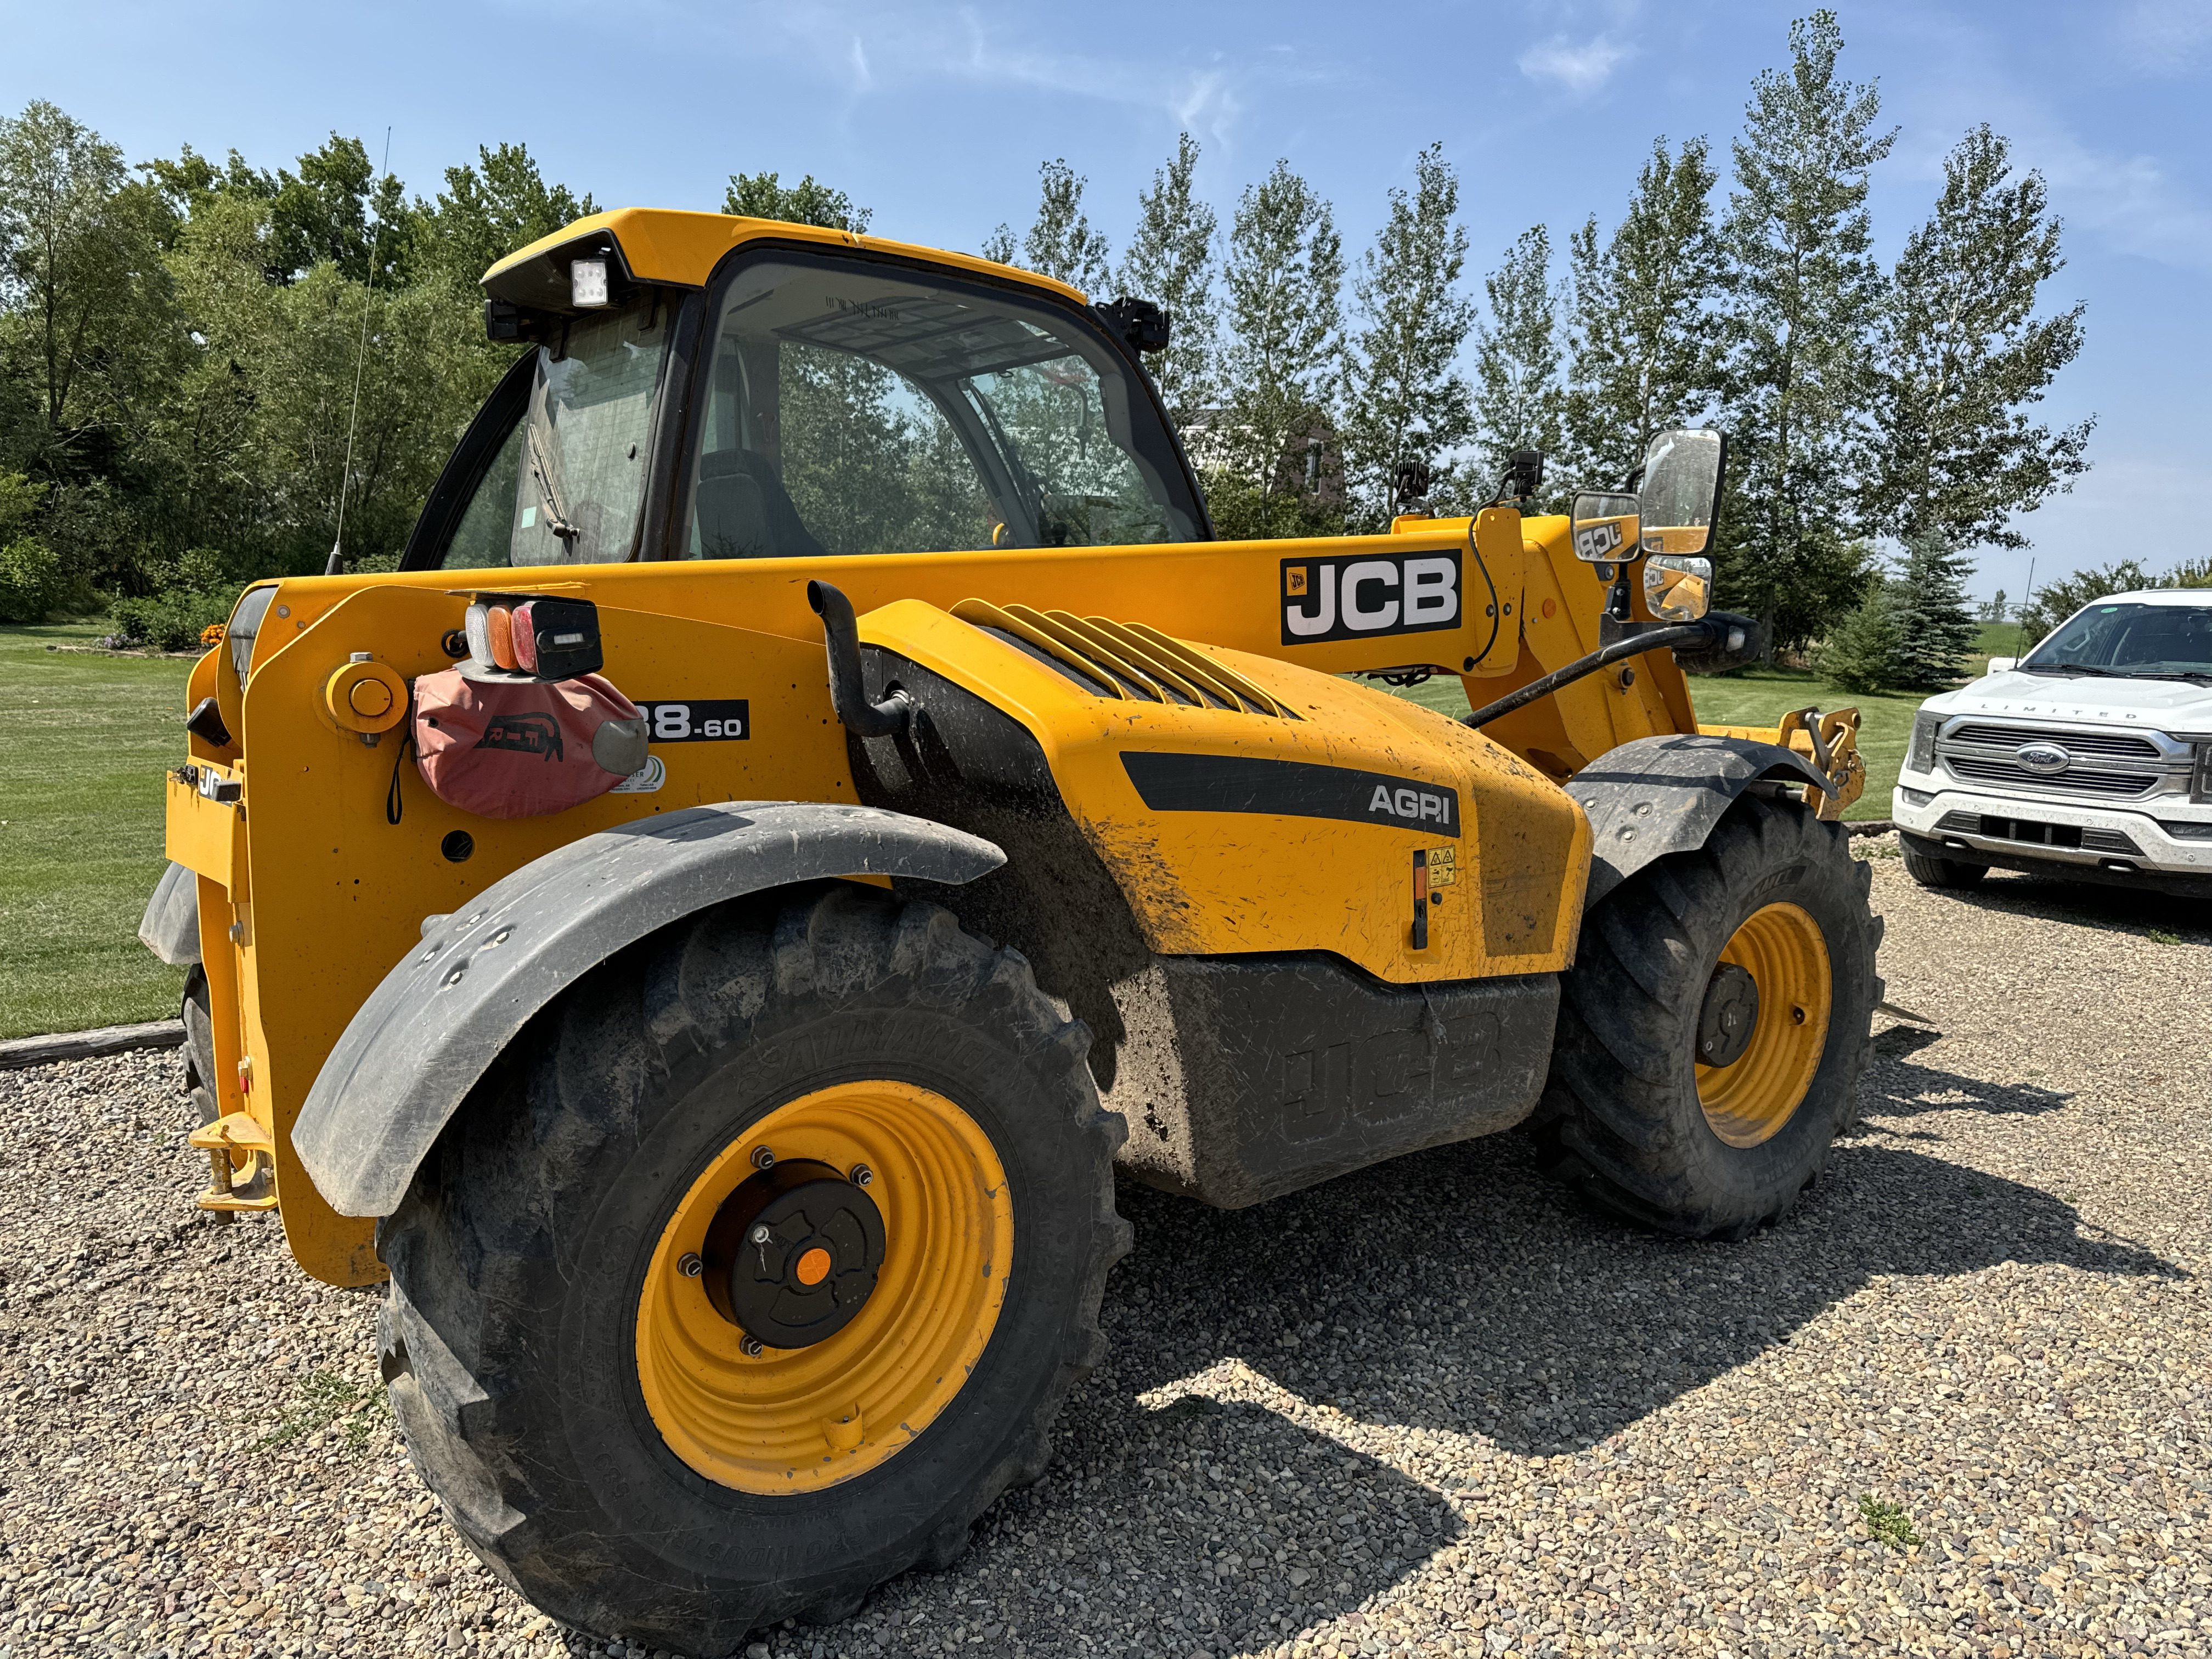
(2200, 775)
(1921, 757)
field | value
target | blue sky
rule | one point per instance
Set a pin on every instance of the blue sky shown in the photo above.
(937, 116)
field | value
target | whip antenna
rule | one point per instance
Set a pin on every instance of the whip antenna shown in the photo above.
(335, 566)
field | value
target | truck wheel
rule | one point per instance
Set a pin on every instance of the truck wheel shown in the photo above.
(192, 1009)
(757, 1271)
(1931, 870)
(1714, 1025)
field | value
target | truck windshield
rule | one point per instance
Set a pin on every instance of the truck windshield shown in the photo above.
(566, 486)
(857, 407)
(2132, 639)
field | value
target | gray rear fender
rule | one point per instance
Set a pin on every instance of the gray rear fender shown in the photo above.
(434, 1026)
(1660, 795)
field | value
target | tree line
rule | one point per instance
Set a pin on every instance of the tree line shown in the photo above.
(180, 339)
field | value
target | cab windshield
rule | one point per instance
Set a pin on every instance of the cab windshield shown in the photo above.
(2131, 640)
(568, 484)
(851, 407)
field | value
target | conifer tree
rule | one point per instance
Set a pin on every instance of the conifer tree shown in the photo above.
(1643, 337)
(1804, 295)
(1963, 355)
(1860, 653)
(1516, 360)
(1934, 628)
(1404, 398)
(1170, 261)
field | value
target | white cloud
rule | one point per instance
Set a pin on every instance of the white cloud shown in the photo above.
(1581, 69)
(2165, 37)
(917, 45)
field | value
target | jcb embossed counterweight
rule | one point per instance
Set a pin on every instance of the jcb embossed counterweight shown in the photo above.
(815, 796)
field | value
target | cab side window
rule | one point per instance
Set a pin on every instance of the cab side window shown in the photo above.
(854, 407)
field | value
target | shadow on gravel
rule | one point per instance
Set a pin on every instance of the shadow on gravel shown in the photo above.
(1172, 1521)
(1459, 1290)
(1897, 1086)
(2090, 904)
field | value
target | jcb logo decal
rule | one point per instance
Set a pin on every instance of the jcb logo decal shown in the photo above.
(1598, 542)
(1364, 599)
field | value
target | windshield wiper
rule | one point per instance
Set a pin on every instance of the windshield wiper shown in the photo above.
(2199, 675)
(2069, 668)
(555, 520)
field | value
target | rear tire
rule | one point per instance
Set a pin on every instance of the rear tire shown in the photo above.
(1630, 1117)
(1931, 870)
(533, 1270)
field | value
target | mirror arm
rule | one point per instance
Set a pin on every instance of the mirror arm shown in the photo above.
(1648, 637)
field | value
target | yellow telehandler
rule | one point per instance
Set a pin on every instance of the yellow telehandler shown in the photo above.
(815, 798)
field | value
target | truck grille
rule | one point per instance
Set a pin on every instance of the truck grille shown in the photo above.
(1110, 659)
(2079, 742)
(1989, 826)
(2106, 765)
(2114, 786)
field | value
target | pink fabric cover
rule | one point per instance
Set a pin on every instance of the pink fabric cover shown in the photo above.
(514, 749)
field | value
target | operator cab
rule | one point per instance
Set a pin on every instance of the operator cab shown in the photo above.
(809, 403)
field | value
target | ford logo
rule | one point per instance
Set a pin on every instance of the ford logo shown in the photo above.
(2044, 758)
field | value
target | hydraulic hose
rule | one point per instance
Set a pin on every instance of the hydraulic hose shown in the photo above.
(848, 694)
(1684, 633)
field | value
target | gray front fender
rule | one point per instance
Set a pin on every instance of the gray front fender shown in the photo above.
(1660, 795)
(418, 1044)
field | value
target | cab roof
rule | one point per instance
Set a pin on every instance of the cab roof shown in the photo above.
(666, 245)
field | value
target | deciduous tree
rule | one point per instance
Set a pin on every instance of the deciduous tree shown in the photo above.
(1963, 357)
(1804, 296)
(1517, 358)
(1643, 336)
(1171, 261)
(1404, 398)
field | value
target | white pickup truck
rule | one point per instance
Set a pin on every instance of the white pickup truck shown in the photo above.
(2090, 758)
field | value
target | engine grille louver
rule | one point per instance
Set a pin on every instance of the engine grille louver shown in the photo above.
(1125, 660)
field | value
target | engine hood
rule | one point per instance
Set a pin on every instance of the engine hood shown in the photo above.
(2174, 707)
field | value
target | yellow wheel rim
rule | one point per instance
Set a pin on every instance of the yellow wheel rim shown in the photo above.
(802, 1419)
(1747, 1102)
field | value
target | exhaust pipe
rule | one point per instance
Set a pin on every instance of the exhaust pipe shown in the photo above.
(848, 694)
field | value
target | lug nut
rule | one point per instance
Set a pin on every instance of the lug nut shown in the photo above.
(862, 1175)
(763, 1158)
(749, 1346)
(690, 1266)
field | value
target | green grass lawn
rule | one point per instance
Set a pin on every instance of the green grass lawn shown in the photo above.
(89, 738)
(1759, 696)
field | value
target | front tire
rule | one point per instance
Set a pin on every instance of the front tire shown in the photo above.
(1755, 952)
(629, 1457)
(1930, 870)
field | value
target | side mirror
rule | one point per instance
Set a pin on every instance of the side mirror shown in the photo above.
(1683, 472)
(2001, 664)
(1605, 526)
(1676, 589)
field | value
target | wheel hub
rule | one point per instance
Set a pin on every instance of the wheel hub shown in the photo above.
(1729, 1015)
(793, 1254)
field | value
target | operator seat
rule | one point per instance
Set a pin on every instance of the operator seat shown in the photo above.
(743, 512)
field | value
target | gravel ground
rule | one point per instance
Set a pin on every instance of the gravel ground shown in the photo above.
(1431, 1408)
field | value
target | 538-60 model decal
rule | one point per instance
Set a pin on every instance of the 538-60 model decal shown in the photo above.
(1299, 789)
(1368, 598)
(703, 719)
